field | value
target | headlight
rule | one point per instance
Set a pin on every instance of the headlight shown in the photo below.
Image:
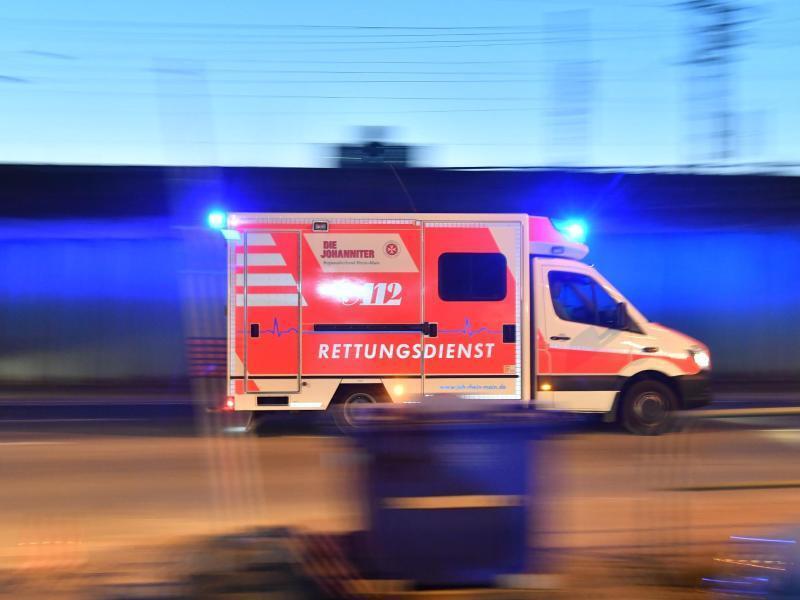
(701, 358)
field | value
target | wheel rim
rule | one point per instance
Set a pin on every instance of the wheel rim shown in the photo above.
(650, 408)
(352, 403)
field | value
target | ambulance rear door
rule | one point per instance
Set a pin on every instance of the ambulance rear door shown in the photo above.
(269, 306)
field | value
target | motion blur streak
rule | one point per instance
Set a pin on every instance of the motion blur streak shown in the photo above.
(664, 134)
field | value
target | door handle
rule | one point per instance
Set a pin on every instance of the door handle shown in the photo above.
(430, 329)
(650, 349)
(562, 338)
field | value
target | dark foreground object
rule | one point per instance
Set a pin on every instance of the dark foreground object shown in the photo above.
(448, 492)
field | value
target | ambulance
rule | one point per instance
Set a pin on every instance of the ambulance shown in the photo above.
(331, 311)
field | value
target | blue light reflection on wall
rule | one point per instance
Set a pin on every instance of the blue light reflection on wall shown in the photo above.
(105, 304)
(99, 306)
(739, 292)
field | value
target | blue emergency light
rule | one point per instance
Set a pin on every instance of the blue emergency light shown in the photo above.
(217, 219)
(574, 230)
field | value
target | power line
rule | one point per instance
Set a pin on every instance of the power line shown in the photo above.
(384, 38)
(642, 102)
(142, 75)
(222, 142)
(307, 61)
(211, 72)
(214, 81)
(259, 26)
(299, 96)
(237, 113)
(315, 27)
(305, 35)
(352, 46)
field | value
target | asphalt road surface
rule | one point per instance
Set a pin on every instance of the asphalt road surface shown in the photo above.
(78, 485)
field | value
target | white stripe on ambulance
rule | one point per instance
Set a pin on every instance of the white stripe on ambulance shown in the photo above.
(266, 279)
(260, 239)
(267, 259)
(269, 300)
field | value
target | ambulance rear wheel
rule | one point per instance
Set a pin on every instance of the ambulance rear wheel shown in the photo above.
(647, 407)
(345, 407)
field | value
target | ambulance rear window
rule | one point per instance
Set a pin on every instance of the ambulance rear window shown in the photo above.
(472, 276)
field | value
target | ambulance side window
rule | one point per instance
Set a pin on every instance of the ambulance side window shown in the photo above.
(472, 276)
(579, 298)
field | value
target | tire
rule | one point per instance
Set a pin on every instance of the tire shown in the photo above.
(343, 407)
(647, 407)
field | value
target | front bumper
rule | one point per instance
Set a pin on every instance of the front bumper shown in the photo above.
(695, 390)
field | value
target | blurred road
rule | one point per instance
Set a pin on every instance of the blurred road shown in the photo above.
(77, 484)
(177, 410)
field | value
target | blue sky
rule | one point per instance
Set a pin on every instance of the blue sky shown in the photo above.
(256, 82)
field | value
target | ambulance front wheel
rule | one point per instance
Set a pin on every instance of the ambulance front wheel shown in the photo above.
(647, 407)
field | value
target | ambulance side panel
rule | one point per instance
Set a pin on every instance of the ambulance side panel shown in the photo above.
(358, 301)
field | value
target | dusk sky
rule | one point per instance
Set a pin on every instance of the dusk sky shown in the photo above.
(249, 82)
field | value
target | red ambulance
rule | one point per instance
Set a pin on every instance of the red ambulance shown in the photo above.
(335, 310)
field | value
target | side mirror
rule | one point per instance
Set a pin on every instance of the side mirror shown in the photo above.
(623, 321)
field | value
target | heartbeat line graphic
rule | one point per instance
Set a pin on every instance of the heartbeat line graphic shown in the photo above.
(468, 330)
(277, 331)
